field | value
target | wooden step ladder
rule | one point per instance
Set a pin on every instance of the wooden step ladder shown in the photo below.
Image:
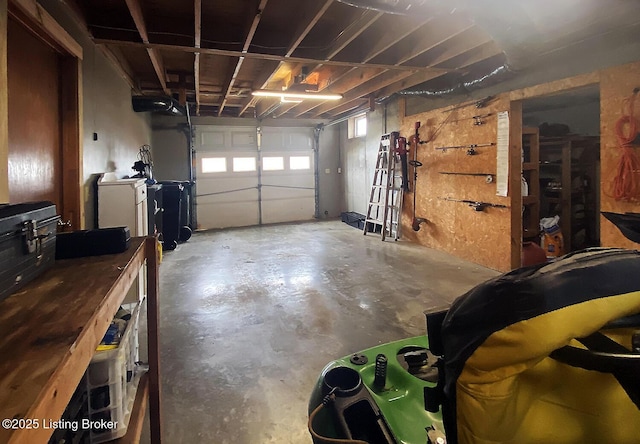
(385, 201)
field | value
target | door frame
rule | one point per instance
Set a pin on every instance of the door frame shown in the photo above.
(37, 20)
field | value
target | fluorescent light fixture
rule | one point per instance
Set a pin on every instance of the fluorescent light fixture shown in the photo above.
(295, 95)
(287, 100)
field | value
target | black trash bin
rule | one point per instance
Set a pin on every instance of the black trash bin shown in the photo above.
(175, 216)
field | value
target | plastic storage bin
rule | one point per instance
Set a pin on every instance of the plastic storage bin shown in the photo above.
(111, 383)
(105, 394)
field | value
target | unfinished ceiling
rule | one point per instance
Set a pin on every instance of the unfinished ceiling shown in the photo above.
(213, 54)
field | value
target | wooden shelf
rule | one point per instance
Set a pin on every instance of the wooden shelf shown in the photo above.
(563, 166)
(531, 173)
(50, 329)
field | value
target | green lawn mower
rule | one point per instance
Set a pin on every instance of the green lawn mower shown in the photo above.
(543, 354)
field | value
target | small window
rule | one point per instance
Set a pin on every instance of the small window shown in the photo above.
(357, 126)
(241, 164)
(360, 126)
(214, 165)
(299, 162)
(273, 163)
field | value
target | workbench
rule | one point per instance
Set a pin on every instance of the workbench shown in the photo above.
(49, 332)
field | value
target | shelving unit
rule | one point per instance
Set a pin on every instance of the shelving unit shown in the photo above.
(567, 178)
(530, 172)
(49, 332)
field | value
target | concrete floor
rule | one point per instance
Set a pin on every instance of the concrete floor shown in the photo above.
(250, 316)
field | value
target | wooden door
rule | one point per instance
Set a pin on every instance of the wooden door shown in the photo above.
(35, 169)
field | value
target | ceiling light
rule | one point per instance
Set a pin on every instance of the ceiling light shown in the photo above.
(295, 95)
(287, 100)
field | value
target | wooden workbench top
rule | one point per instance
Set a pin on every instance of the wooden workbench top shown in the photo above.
(49, 332)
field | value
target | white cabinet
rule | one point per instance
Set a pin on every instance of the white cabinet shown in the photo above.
(123, 202)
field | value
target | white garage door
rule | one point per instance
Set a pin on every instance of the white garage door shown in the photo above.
(288, 184)
(238, 184)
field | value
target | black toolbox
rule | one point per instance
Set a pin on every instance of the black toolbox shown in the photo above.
(96, 242)
(27, 243)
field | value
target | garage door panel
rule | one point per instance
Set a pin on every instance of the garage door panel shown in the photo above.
(229, 214)
(292, 196)
(226, 198)
(273, 193)
(230, 138)
(212, 139)
(298, 209)
(298, 140)
(245, 196)
(272, 140)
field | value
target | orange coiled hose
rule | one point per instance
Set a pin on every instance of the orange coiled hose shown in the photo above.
(626, 183)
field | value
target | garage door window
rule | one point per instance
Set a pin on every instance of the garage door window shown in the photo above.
(299, 162)
(273, 163)
(242, 164)
(214, 165)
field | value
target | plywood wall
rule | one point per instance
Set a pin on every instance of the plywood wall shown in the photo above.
(615, 85)
(483, 237)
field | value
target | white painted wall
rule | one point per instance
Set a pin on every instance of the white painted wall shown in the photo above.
(360, 154)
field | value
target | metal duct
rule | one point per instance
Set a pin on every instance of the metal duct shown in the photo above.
(157, 104)
(466, 85)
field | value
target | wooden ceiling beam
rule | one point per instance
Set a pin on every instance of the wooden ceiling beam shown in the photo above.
(197, 37)
(156, 60)
(356, 28)
(327, 77)
(436, 33)
(350, 106)
(379, 82)
(479, 53)
(354, 78)
(421, 77)
(470, 38)
(394, 36)
(306, 25)
(230, 53)
(263, 80)
(233, 74)
(304, 28)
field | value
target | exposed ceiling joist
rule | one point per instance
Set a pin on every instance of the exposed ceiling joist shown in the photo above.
(253, 25)
(156, 60)
(354, 30)
(261, 56)
(360, 53)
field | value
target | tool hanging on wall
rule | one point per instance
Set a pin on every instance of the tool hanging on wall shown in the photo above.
(481, 103)
(402, 151)
(471, 149)
(476, 205)
(415, 163)
(488, 177)
(477, 120)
